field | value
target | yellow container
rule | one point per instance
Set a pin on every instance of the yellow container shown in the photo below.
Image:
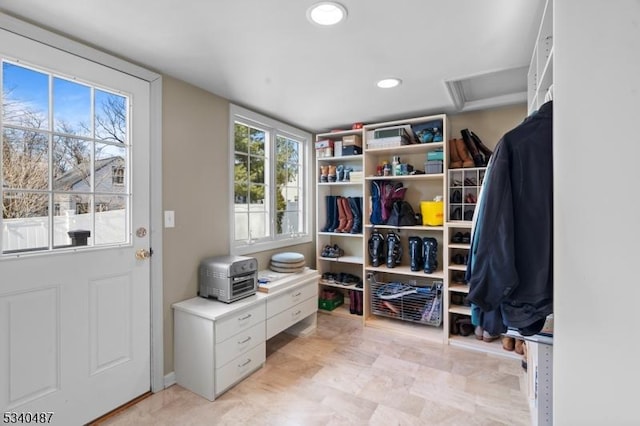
(432, 213)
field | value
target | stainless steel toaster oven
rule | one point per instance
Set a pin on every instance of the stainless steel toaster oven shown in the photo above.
(227, 278)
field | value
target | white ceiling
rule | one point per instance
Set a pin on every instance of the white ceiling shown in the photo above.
(265, 55)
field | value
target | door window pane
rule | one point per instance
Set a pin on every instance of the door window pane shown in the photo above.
(25, 221)
(111, 223)
(71, 108)
(25, 159)
(25, 97)
(111, 117)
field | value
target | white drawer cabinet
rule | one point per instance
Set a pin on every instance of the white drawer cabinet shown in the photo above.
(218, 344)
(296, 304)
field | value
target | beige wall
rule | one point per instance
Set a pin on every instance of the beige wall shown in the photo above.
(195, 185)
(490, 125)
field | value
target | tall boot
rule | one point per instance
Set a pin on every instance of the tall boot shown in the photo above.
(478, 159)
(463, 153)
(334, 215)
(455, 162)
(352, 301)
(485, 150)
(394, 250)
(415, 253)
(355, 203)
(358, 295)
(349, 215)
(376, 248)
(342, 217)
(430, 253)
(330, 202)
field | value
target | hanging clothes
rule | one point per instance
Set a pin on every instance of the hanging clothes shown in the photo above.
(510, 264)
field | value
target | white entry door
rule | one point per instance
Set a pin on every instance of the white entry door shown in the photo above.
(74, 298)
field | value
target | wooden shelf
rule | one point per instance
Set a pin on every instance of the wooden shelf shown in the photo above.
(458, 224)
(349, 183)
(459, 246)
(494, 348)
(406, 228)
(430, 176)
(460, 309)
(406, 270)
(342, 158)
(341, 311)
(338, 285)
(341, 234)
(357, 260)
(459, 288)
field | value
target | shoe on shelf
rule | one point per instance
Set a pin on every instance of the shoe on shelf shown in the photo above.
(457, 238)
(519, 347)
(466, 238)
(508, 343)
(465, 327)
(478, 331)
(456, 196)
(488, 337)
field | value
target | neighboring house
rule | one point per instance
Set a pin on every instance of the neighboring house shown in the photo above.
(109, 180)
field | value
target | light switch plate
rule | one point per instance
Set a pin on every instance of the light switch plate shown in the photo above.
(169, 219)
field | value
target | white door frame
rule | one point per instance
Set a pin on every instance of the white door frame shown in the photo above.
(33, 32)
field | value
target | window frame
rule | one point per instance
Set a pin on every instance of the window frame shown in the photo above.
(273, 128)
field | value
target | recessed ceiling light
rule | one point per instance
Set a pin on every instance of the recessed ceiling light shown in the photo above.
(388, 83)
(326, 13)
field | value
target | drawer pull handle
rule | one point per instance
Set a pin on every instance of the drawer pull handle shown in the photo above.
(244, 363)
(245, 340)
(297, 313)
(297, 294)
(245, 317)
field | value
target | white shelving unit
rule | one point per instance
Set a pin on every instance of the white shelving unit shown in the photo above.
(540, 76)
(352, 243)
(420, 187)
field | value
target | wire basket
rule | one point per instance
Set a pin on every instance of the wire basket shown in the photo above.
(408, 302)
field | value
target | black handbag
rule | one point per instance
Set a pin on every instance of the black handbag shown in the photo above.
(402, 214)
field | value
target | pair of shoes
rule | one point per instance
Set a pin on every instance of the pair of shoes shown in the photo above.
(470, 182)
(456, 196)
(508, 343)
(479, 151)
(460, 238)
(355, 302)
(460, 156)
(456, 214)
(470, 199)
(332, 251)
(324, 174)
(468, 214)
(460, 259)
(464, 326)
(519, 346)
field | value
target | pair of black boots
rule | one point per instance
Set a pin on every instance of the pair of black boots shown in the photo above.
(335, 208)
(479, 151)
(385, 250)
(355, 302)
(423, 253)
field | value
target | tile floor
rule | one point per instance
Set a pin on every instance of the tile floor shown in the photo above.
(346, 374)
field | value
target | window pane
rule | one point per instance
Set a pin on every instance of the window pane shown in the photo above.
(111, 219)
(72, 221)
(110, 168)
(25, 99)
(257, 141)
(241, 178)
(242, 223)
(256, 169)
(25, 224)
(241, 138)
(259, 222)
(71, 164)
(71, 107)
(257, 197)
(110, 117)
(25, 159)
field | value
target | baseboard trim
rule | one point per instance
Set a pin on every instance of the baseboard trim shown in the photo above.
(170, 379)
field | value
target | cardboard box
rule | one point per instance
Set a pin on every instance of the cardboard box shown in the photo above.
(352, 140)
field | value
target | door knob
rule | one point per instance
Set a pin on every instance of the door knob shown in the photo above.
(142, 254)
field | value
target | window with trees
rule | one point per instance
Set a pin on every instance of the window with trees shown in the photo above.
(65, 150)
(270, 183)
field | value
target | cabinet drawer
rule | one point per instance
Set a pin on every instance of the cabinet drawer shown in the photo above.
(278, 303)
(239, 343)
(287, 318)
(240, 367)
(241, 320)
